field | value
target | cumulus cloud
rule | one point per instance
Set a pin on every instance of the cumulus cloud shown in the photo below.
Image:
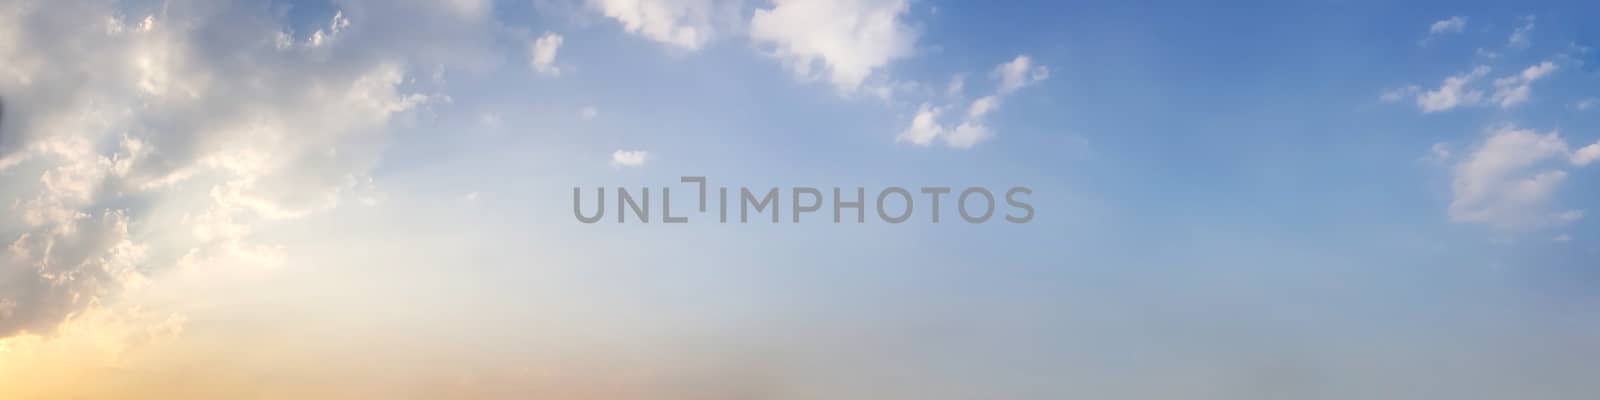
(970, 129)
(198, 122)
(1509, 180)
(543, 54)
(1452, 25)
(629, 158)
(842, 41)
(687, 24)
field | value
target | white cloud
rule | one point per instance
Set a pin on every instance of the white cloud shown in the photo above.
(1454, 91)
(543, 54)
(1586, 155)
(317, 39)
(1585, 104)
(1452, 25)
(1438, 153)
(1396, 95)
(956, 87)
(982, 106)
(968, 134)
(924, 127)
(1515, 89)
(589, 112)
(1508, 182)
(490, 120)
(843, 41)
(971, 129)
(629, 158)
(1523, 34)
(1019, 73)
(686, 24)
(193, 126)
(1569, 216)
(1464, 90)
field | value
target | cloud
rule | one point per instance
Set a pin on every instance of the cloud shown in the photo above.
(1569, 216)
(968, 134)
(1452, 25)
(629, 158)
(319, 38)
(1019, 73)
(490, 120)
(686, 24)
(543, 54)
(924, 127)
(982, 106)
(1586, 155)
(1463, 89)
(1396, 95)
(843, 41)
(956, 87)
(1438, 153)
(1454, 91)
(195, 125)
(1522, 36)
(1515, 89)
(471, 9)
(589, 112)
(971, 129)
(1585, 104)
(1509, 180)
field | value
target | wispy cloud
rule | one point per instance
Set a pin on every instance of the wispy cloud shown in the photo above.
(1515, 89)
(1454, 91)
(1523, 34)
(970, 128)
(1465, 89)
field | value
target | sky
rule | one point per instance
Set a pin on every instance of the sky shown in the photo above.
(374, 199)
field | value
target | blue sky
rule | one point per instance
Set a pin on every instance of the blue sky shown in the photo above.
(359, 198)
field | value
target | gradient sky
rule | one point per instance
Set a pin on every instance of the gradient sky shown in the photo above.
(372, 199)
